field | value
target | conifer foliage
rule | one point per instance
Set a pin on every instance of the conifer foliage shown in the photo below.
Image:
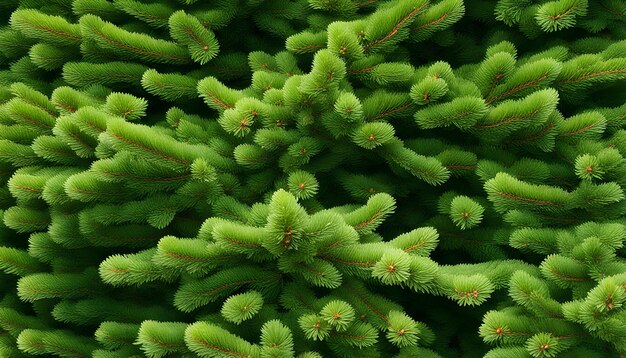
(312, 178)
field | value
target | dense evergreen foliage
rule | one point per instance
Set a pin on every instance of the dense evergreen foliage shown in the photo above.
(313, 178)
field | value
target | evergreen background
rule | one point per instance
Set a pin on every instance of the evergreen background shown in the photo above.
(312, 178)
